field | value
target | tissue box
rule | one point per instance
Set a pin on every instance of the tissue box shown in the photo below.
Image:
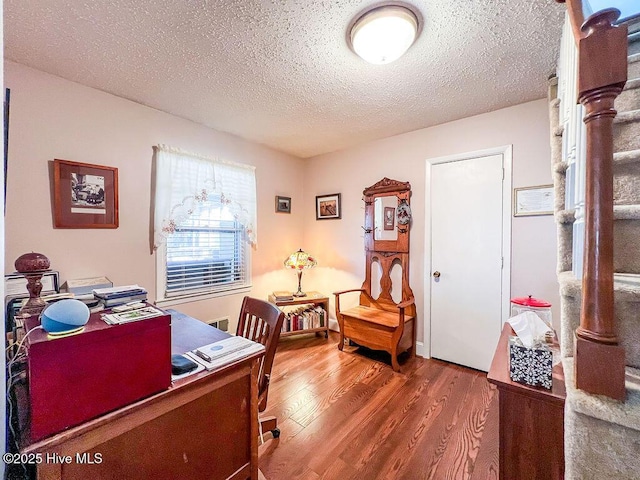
(531, 366)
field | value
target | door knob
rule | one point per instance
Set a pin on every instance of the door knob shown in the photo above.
(436, 274)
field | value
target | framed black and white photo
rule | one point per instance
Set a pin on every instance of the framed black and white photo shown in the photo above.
(328, 207)
(389, 218)
(85, 195)
(283, 204)
(536, 200)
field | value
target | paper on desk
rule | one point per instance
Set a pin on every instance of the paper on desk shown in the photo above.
(225, 351)
(529, 328)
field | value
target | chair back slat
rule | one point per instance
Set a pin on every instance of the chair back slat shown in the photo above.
(261, 322)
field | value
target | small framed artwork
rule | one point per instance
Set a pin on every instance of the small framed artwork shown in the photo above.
(84, 195)
(283, 204)
(389, 218)
(328, 207)
(536, 200)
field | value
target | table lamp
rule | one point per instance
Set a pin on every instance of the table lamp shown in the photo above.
(33, 266)
(299, 261)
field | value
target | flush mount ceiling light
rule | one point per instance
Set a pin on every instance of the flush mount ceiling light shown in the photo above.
(383, 34)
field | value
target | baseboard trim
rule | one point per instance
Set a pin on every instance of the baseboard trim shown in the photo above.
(421, 350)
(333, 325)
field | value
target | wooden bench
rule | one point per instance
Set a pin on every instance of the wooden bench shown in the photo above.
(380, 325)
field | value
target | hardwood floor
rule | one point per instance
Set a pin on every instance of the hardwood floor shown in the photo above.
(349, 416)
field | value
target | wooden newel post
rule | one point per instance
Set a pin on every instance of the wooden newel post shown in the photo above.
(602, 73)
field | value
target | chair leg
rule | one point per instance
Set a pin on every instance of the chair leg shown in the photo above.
(394, 364)
(270, 424)
(394, 359)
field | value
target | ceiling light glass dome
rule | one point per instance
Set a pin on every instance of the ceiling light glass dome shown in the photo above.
(384, 34)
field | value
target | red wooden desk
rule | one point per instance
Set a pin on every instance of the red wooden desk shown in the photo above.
(531, 421)
(203, 426)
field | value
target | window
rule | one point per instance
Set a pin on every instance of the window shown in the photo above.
(204, 225)
(628, 8)
(207, 253)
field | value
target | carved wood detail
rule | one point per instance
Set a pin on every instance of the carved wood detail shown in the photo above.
(381, 323)
(387, 185)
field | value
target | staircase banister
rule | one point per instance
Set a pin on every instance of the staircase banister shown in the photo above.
(602, 74)
(576, 16)
(602, 52)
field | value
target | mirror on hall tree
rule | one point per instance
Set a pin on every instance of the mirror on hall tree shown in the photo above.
(387, 216)
(384, 224)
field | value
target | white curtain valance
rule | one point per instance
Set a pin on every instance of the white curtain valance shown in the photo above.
(184, 179)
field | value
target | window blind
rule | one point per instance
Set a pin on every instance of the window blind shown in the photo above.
(207, 252)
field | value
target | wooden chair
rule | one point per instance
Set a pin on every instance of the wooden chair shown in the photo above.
(261, 322)
(381, 323)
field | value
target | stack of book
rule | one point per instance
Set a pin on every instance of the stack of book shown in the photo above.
(282, 296)
(303, 317)
(113, 296)
(83, 288)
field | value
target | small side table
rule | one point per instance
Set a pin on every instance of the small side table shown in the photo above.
(531, 420)
(315, 298)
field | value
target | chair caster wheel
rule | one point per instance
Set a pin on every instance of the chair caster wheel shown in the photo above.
(276, 432)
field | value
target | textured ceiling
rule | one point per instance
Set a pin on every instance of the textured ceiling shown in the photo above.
(280, 72)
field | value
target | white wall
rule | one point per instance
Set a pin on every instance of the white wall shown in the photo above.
(339, 246)
(55, 118)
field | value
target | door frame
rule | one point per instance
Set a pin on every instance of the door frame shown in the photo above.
(507, 160)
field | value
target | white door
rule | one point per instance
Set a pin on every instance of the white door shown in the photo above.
(466, 259)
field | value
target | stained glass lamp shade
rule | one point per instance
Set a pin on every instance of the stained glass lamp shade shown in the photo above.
(298, 261)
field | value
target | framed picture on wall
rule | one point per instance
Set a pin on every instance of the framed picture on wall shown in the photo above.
(328, 207)
(84, 195)
(536, 200)
(283, 204)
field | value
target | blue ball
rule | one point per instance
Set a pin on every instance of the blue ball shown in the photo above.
(64, 316)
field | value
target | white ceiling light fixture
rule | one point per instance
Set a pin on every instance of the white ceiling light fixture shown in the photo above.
(384, 34)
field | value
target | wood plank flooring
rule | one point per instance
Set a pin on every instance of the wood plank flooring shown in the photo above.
(346, 415)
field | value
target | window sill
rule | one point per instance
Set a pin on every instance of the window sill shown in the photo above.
(169, 302)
